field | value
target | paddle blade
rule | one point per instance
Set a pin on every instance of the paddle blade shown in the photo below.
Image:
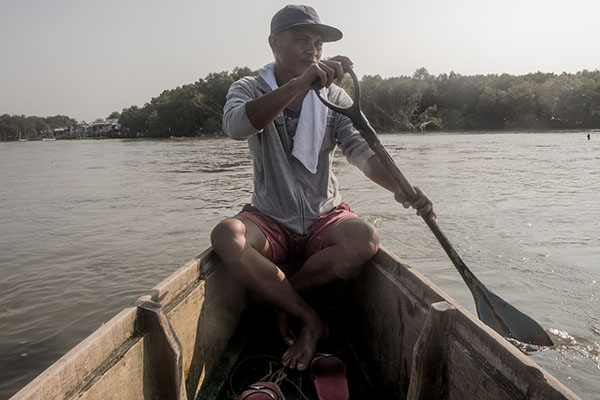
(507, 320)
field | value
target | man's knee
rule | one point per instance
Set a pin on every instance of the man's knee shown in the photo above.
(234, 236)
(228, 236)
(369, 238)
(363, 243)
(360, 243)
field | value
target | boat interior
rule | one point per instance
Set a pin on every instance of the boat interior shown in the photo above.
(254, 353)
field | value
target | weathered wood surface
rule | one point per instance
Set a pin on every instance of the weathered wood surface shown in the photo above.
(392, 301)
(423, 351)
(151, 354)
(205, 320)
(163, 352)
(458, 357)
(429, 347)
(99, 351)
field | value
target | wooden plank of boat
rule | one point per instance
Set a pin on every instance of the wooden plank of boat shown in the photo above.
(424, 344)
(117, 358)
(429, 347)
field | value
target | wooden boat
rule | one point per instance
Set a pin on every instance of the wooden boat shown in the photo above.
(184, 338)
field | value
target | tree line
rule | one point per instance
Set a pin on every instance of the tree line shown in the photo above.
(483, 102)
(195, 109)
(454, 102)
(14, 127)
(422, 101)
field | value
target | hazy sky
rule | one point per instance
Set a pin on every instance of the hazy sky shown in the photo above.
(86, 58)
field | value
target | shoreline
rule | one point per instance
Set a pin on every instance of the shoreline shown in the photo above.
(221, 135)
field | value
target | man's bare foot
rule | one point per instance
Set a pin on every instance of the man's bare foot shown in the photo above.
(300, 353)
(284, 329)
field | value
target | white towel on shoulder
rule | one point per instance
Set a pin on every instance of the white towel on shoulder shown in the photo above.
(311, 124)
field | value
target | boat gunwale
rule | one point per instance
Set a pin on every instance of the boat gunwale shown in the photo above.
(116, 336)
(465, 325)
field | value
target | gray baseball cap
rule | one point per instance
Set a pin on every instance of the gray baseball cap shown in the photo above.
(293, 16)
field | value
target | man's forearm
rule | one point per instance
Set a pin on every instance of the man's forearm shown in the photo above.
(379, 174)
(375, 171)
(263, 110)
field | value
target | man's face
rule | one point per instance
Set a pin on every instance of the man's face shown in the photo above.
(296, 49)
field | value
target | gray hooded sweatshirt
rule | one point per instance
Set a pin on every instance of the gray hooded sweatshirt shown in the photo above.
(283, 188)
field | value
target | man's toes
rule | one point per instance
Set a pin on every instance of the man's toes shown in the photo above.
(290, 358)
(286, 358)
(288, 338)
(304, 361)
(284, 330)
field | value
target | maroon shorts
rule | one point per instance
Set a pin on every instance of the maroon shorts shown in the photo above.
(287, 246)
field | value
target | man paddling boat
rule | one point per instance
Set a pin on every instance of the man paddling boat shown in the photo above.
(296, 209)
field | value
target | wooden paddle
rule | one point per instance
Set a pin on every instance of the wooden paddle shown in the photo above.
(491, 309)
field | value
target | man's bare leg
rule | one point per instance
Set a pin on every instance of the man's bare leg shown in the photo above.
(244, 249)
(284, 328)
(346, 248)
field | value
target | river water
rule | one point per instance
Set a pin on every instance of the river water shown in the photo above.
(88, 226)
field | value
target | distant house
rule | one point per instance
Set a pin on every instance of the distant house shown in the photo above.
(78, 130)
(70, 132)
(62, 132)
(106, 128)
